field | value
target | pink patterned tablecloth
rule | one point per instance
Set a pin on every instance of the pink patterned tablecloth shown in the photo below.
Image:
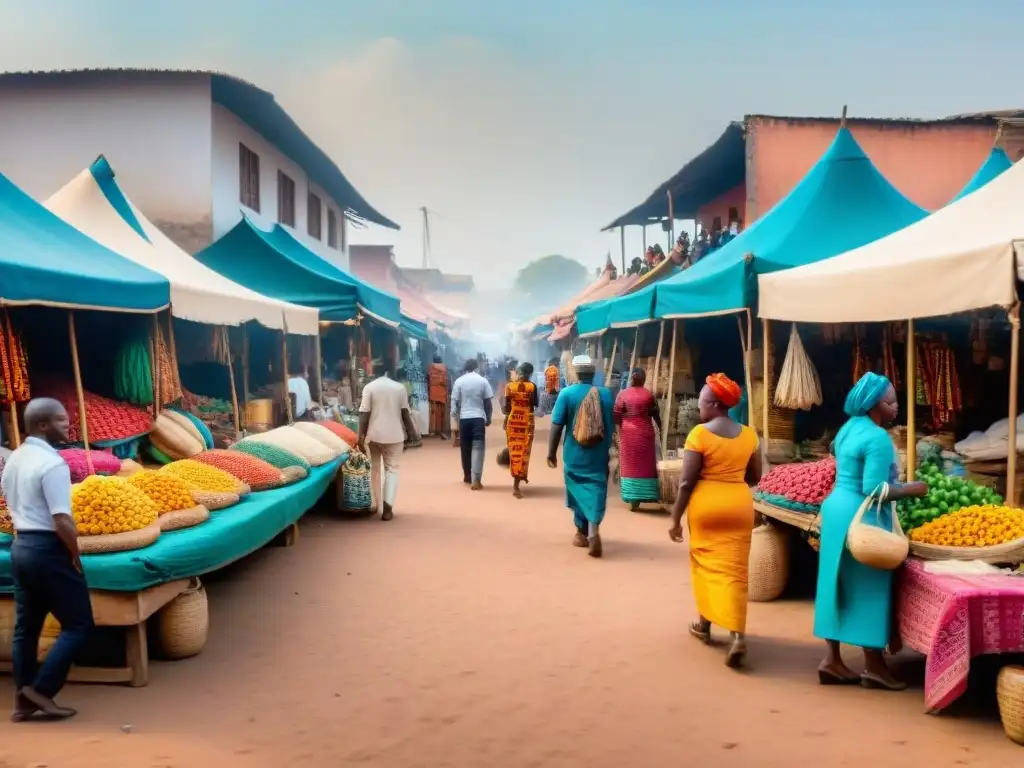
(951, 619)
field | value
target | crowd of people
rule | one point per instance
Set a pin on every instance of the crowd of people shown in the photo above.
(721, 461)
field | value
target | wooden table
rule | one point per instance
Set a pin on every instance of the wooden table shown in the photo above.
(130, 610)
(804, 521)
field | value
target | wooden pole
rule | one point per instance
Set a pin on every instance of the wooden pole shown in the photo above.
(667, 420)
(645, 237)
(1011, 457)
(610, 368)
(245, 371)
(632, 357)
(748, 374)
(284, 361)
(766, 372)
(79, 389)
(231, 376)
(154, 354)
(622, 243)
(15, 431)
(671, 221)
(912, 402)
(319, 378)
(657, 360)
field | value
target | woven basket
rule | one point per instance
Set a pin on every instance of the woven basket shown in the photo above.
(183, 518)
(51, 628)
(354, 490)
(215, 499)
(185, 623)
(769, 564)
(670, 471)
(1010, 553)
(1010, 695)
(119, 542)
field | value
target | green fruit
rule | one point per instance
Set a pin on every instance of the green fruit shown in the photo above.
(997, 499)
(943, 507)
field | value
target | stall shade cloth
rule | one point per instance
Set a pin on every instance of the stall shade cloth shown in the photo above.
(252, 257)
(843, 202)
(377, 304)
(229, 535)
(634, 307)
(960, 258)
(994, 165)
(94, 202)
(45, 260)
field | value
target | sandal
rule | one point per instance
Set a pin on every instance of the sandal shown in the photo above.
(828, 677)
(737, 653)
(875, 682)
(701, 630)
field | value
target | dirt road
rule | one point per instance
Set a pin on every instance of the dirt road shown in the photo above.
(467, 633)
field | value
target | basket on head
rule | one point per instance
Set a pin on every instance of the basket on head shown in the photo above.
(769, 564)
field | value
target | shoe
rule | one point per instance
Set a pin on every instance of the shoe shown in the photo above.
(477, 486)
(46, 705)
(580, 540)
(594, 542)
(701, 631)
(23, 709)
(875, 682)
(828, 677)
(387, 515)
(466, 480)
(737, 653)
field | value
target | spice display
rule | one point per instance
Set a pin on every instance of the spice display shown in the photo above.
(985, 525)
(342, 431)
(254, 472)
(13, 364)
(109, 420)
(173, 440)
(313, 451)
(202, 477)
(272, 454)
(318, 432)
(168, 492)
(94, 462)
(799, 387)
(945, 495)
(133, 374)
(105, 505)
(800, 487)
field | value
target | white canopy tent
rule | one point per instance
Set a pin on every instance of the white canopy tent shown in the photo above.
(961, 257)
(93, 203)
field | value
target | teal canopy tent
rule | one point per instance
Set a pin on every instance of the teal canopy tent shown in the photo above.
(622, 312)
(44, 260)
(996, 162)
(842, 203)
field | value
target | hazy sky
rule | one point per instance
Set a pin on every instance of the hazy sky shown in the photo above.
(528, 126)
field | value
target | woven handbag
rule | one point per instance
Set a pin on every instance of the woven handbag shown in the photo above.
(355, 484)
(873, 546)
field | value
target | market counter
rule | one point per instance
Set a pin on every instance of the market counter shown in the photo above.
(229, 535)
(804, 521)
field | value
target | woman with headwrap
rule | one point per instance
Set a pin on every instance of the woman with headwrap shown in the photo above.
(853, 604)
(720, 462)
(520, 402)
(635, 414)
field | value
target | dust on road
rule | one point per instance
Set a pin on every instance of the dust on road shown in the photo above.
(468, 632)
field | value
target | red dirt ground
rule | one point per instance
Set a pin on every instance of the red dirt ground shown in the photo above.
(468, 632)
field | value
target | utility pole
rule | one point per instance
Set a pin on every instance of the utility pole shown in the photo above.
(426, 237)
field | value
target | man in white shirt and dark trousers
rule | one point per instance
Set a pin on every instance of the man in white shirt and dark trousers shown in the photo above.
(471, 399)
(45, 561)
(384, 419)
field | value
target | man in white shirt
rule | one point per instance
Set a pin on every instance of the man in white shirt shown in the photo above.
(471, 399)
(298, 386)
(384, 419)
(45, 562)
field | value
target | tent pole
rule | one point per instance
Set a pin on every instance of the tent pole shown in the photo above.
(671, 221)
(645, 237)
(231, 376)
(76, 368)
(610, 368)
(154, 348)
(657, 360)
(284, 373)
(912, 402)
(175, 374)
(748, 374)
(668, 391)
(1011, 457)
(766, 353)
(245, 372)
(319, 378)
(622, 243)
(632, 357)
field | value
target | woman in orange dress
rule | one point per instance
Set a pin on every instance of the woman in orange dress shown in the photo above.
(437, 396)
(520, 403)
(721, 461)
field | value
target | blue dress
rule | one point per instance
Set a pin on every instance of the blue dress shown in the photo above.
(853, 604)
(586, 469)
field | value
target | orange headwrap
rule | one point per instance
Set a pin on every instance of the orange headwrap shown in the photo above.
(726, 390)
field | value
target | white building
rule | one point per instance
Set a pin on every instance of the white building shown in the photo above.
(193, 150)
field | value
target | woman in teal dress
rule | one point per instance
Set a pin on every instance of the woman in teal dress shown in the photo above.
(586, 467)
(853, 604)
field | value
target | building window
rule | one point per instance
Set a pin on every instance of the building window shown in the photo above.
(285, 199)
(313, 214)
(332, 229)
(248, 178)
(344, 231)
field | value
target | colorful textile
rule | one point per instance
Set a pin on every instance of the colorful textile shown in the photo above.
(551, 379)
(866, 394)
(721, 519)
(853, 603)
(437, 395)
(638, 459)
(953, 618)
(727, 391)
(585, 468)
(520, 400)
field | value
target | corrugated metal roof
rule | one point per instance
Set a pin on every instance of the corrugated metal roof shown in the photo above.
(254, 106)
